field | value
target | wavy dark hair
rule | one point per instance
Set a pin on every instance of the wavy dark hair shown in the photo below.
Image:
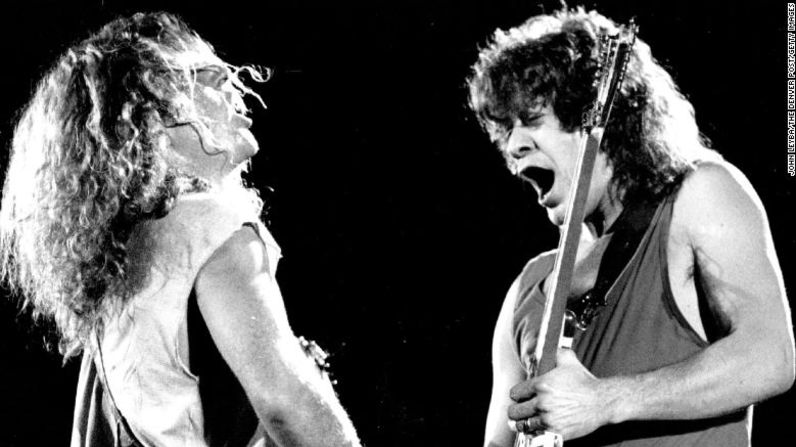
(89, 161)
(652, 139)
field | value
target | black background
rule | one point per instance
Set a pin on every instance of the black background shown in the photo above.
(401, 229)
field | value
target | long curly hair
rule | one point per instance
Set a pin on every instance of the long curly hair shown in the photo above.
(651, 140)
(88, 162)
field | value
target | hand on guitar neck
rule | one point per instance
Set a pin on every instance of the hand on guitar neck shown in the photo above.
(567, 400)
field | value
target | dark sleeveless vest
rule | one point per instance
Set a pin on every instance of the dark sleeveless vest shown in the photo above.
(639, 329)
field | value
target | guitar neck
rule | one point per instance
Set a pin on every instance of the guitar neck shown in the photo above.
(614, 55)
(552, 325)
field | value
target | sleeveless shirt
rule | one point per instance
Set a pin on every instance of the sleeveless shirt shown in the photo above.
(640, 329)
(144, 350)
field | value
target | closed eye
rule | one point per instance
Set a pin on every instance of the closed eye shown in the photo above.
(211, 76)
(530, 119)
(490, 115)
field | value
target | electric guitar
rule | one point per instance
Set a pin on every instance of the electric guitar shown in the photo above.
(614, 53)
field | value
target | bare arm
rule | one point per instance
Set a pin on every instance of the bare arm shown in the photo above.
(734, 257)
(733, 251)
(506, 372)
(242, 306)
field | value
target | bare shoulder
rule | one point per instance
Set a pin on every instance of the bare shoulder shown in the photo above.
(721, 234)
(533, 272)
(242, 256)
(717, 199)
(240, 301)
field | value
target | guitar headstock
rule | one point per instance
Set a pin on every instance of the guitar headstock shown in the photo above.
(613, 55)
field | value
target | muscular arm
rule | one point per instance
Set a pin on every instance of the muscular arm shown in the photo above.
(737, 266)
(242, 306)
(506, 372)
(728, 234)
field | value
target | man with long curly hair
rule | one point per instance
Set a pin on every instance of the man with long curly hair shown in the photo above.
(682, 318)
(124, 220)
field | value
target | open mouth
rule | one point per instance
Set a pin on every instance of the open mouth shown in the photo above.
(542, 179)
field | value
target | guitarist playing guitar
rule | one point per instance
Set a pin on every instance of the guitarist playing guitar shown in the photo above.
(676, 312)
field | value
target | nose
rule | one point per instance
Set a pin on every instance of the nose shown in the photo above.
(519, 143)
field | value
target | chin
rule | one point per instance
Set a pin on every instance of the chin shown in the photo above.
(556, 216)
(249, 152)
(246, 147)
(243, 152)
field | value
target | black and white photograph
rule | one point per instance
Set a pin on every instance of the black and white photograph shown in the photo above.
(397, 223)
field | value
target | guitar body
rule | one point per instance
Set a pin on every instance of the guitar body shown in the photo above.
(542, 439)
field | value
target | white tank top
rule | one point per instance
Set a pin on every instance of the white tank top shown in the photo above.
(145, 347)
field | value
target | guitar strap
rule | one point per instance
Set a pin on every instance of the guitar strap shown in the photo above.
(628, 230)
